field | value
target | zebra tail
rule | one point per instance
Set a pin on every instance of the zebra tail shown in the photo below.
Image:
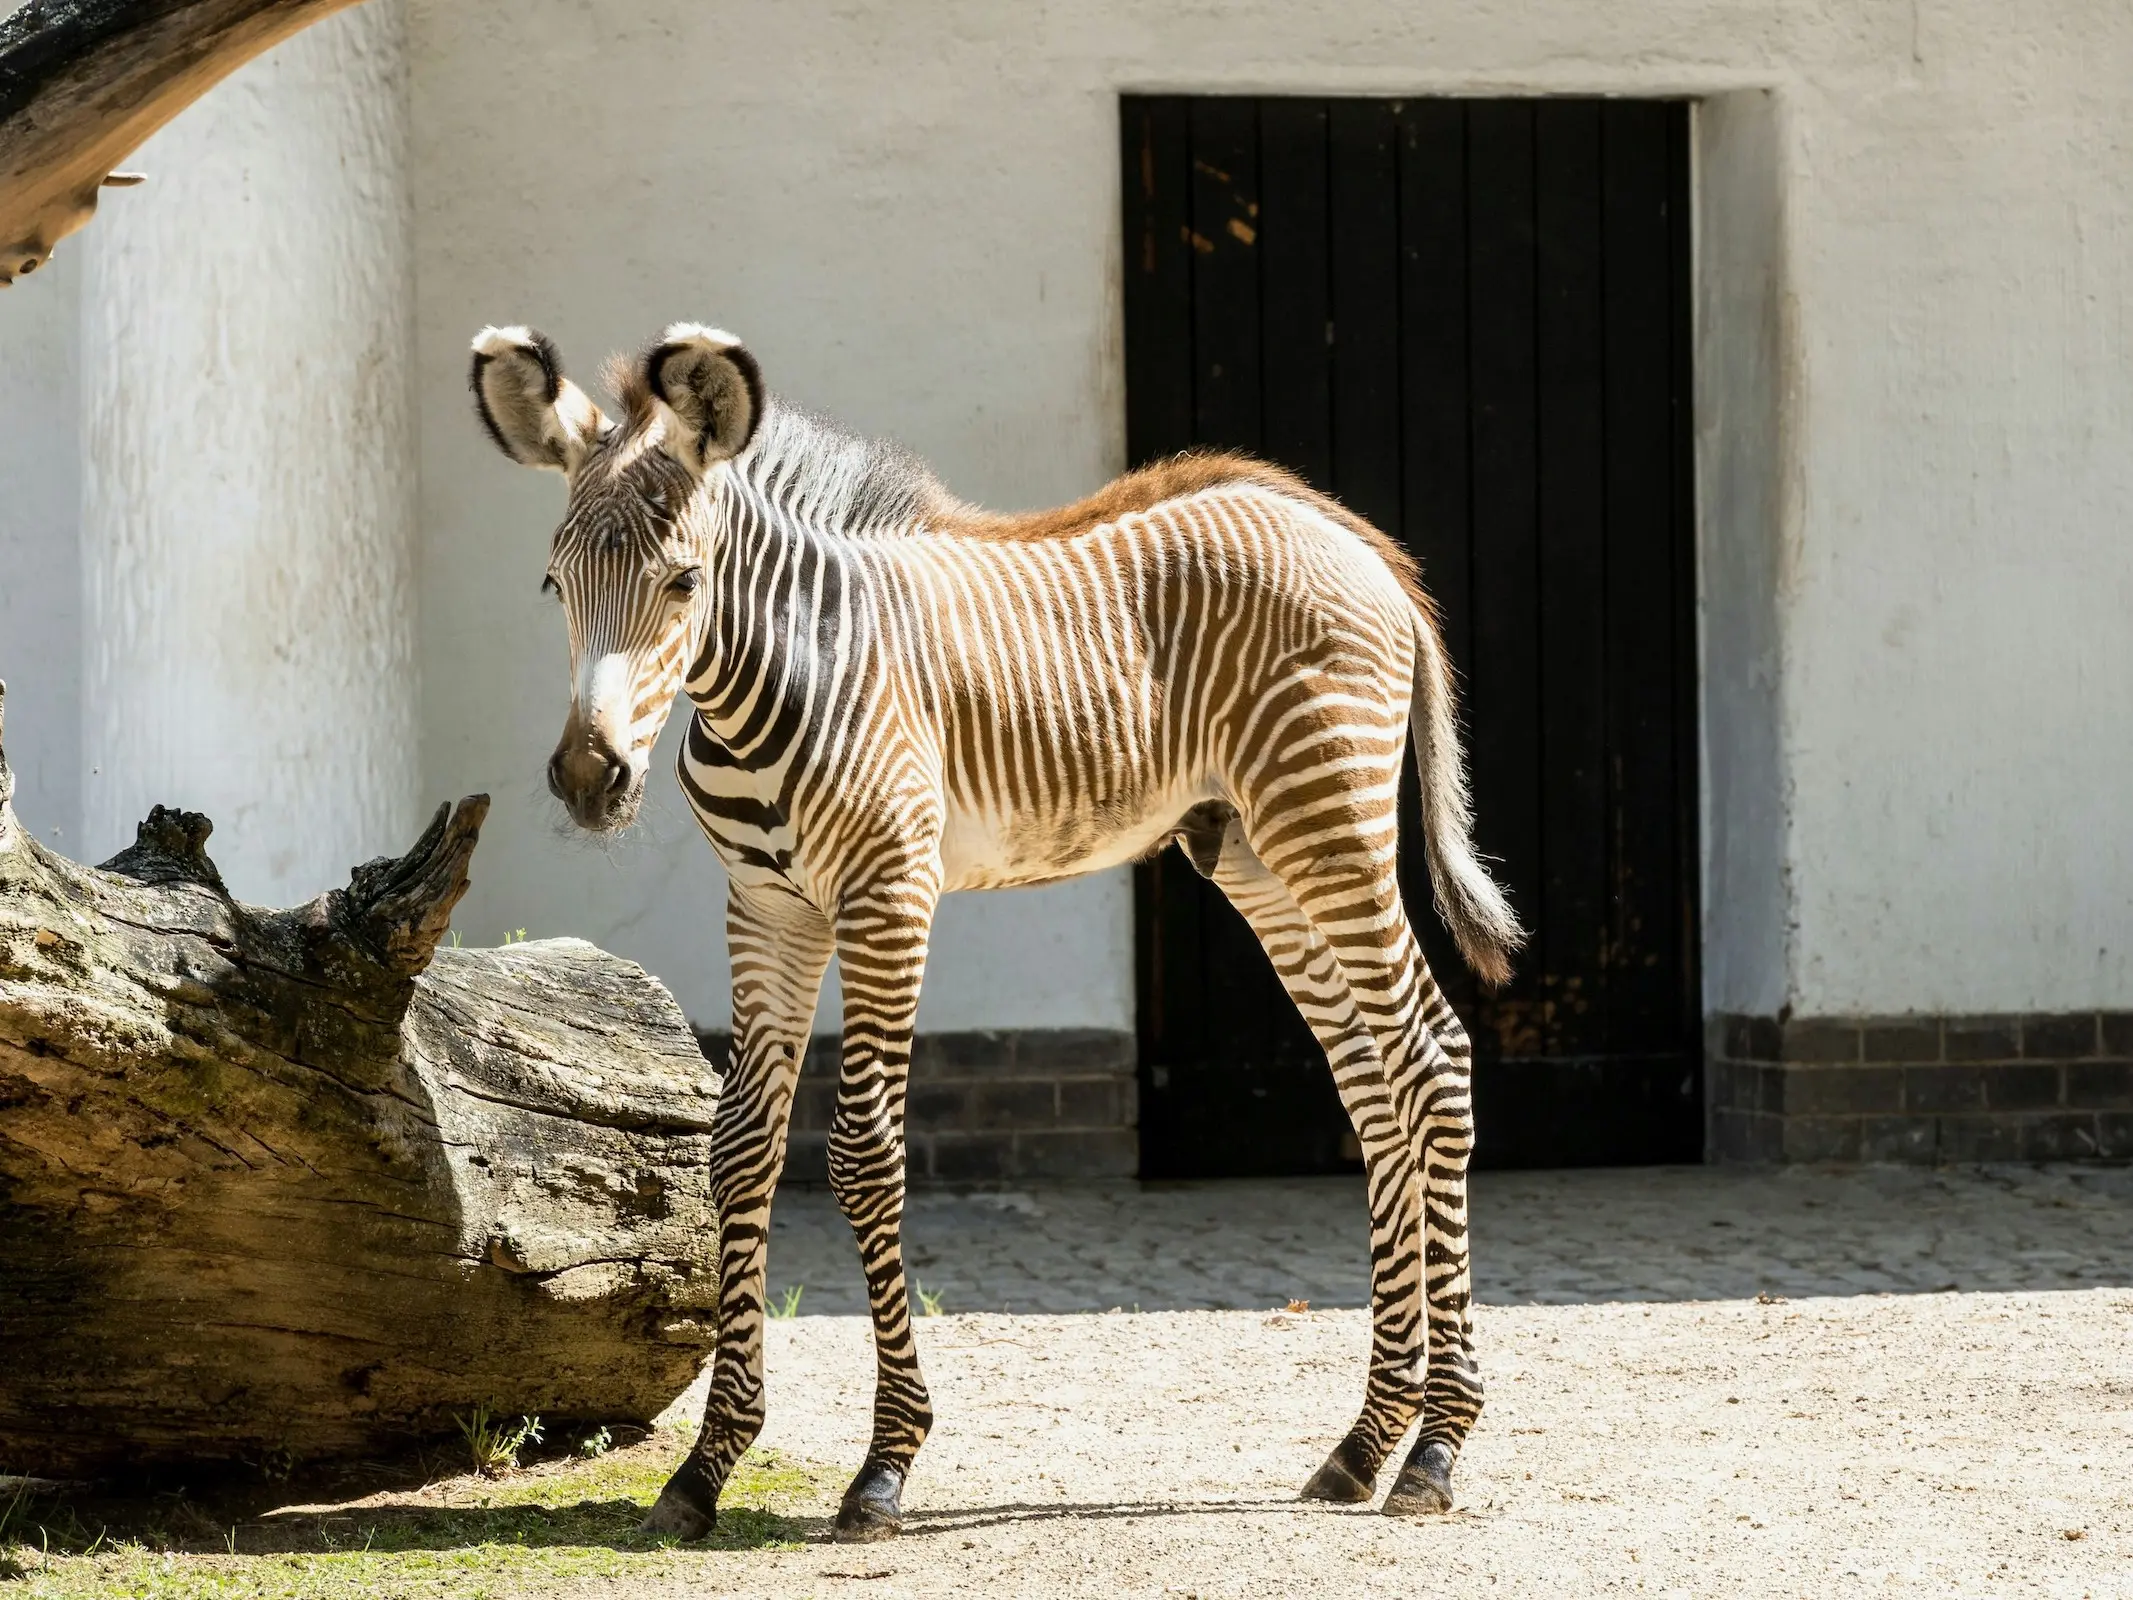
(1468, 899)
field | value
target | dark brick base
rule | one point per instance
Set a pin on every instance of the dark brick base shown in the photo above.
(1924, 1089)
(1024, 1103)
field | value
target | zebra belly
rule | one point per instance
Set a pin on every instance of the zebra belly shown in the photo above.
(983, 850)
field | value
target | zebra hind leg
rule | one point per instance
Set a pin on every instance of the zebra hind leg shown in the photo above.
(1356, 906)
(881, 954)
(1392, 1392)
(1452, 1397)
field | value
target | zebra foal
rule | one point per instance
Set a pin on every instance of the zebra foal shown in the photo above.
(895, 694)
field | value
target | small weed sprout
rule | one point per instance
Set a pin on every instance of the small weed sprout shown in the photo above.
(11, 1566)
(493, 1444)
(14, 1509)
(928, 1304)
(596, 1444)
(787, 1305)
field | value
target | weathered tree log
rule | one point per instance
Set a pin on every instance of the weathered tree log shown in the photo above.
(83, 83)
(298, 1184)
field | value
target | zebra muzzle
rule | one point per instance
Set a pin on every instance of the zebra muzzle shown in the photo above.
(594, 781)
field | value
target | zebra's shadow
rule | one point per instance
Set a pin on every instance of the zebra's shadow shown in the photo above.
(969, 1519)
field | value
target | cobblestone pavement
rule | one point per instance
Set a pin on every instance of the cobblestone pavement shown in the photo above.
(1540, 1238)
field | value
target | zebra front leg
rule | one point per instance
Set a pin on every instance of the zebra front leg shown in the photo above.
(881, 952)
(1392, 1390)
(780, 947)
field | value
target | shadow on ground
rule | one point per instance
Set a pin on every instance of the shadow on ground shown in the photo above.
(425, 1501)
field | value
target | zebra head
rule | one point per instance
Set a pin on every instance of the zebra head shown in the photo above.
(628, 559)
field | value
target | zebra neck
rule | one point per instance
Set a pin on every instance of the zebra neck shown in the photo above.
(779, 608)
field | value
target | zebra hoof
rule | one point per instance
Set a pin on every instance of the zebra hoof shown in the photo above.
(1345, 1479)
(687, 1508)
(872, 1507)
(1425, 1484)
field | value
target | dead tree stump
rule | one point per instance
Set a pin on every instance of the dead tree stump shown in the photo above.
(284, 1185)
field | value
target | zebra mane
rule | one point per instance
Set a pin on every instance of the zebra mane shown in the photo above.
(827, 477)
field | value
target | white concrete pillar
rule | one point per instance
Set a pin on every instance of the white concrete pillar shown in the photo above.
(248, 495)
(40, 548)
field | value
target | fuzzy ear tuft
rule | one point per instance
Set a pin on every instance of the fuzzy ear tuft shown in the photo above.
(714, 388)
(537, 417)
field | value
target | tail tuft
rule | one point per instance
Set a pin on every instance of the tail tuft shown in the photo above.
(1473, 907)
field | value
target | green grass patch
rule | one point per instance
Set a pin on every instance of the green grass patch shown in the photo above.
(463, 1537)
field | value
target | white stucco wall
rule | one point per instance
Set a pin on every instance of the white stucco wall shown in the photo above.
(40, 548)
(248, 532)
(1956, 585)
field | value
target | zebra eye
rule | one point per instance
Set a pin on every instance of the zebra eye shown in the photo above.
(686, 581)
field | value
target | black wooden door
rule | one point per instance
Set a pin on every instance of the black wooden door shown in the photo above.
(1468, 319)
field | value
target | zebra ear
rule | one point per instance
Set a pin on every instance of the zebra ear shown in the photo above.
(537, 417)
(714, 388)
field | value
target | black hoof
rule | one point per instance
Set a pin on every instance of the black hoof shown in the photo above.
(687, 1508)
(1347, 1478)
(1425, 1484)
(872, 1507)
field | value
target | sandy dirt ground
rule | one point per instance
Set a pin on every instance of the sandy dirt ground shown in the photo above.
(1944, 1444)
(1702, 1382)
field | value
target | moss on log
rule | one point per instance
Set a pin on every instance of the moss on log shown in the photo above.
(284, 1185)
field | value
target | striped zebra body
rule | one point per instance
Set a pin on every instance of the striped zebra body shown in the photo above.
(896, 694)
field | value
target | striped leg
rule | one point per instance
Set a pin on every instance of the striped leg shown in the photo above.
(780, 947)
(1452, 1395)
(881, 951)
(1392, 1392)
(1354, 901)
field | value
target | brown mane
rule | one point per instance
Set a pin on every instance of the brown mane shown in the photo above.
(1176, 478)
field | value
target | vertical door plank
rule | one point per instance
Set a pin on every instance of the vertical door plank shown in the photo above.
(1569, 952)
(1641, 589)
(1295, 299)
(1688, 776)
(1434, 401)
(1156, 190)
(1225, 273)
(1505, 665)
(1434, 446)
(1296, 374)
(1363, 205)
(1226, 412)
(1155, 184)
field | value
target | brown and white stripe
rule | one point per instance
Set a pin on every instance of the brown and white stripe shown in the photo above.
(895, 694)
